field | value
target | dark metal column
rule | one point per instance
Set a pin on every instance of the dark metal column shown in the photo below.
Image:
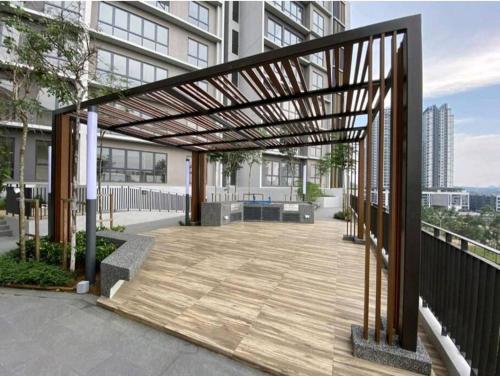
(411, 184)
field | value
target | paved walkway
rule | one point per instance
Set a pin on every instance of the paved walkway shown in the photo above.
(53, 334)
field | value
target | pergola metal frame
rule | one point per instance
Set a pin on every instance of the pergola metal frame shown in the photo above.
(177, 112)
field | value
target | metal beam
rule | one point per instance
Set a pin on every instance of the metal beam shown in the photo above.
(288, 135)
(285, 146)
(306, 48)
(252, 104)
(263, 125)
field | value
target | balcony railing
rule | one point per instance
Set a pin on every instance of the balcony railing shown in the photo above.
(460, 284)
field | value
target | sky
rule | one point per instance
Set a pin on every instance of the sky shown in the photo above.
(461, 67)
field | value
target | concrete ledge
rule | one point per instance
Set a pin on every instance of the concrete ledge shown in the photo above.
(391, 355)
(123, 263)
(455, 362)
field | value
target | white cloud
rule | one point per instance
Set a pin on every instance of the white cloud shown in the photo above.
(465, 120)
(450, 72)
(477, 160)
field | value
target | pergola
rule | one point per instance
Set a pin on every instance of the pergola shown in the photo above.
(368, 70)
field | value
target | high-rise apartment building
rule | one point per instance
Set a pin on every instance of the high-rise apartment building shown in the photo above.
(387, 150)
(437, 147)
(253, 27)
(143, 41)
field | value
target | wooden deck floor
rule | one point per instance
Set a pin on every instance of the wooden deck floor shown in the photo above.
(279, 296)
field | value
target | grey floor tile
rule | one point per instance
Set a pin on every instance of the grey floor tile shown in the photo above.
(117, 366)
(208, 364)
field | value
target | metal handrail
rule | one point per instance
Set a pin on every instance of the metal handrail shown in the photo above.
(461, 237)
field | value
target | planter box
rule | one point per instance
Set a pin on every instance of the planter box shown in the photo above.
(329, 202)
(221, 213)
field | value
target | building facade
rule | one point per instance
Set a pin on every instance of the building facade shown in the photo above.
(387, 150)
(437, 147)
(143, 41)
(447, 199)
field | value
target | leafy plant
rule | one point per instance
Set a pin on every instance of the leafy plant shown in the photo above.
(14, 271)
(104, 247)
(313, 191)
(344, 215)
(231, 160)
(117, 228)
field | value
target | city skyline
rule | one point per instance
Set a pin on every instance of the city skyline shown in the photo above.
(461, 69)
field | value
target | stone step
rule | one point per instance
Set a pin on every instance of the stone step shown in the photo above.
(3, 222)
(4, 227)
(5, 233)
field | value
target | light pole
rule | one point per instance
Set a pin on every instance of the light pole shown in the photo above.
(91, 194)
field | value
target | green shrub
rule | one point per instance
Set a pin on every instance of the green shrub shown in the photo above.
(37, 273)
(50, 252)
(104, 247)
(344, 215)
(2, 203)
(313, 191)
(117, 228)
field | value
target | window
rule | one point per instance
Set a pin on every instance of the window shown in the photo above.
(138, 30)
(42, 160)
(292, 9)
(134, 166)
(289, 38)
(7, 144)
(315, 151)
(289, 110)
(318, 25)
(339, 10)
(281, 35)
(197, 53)
(236, 11)
(314, 176)
(279, 173)
(318, 58)
(198, 15)
(317, 81)
(66, 9)
(271, 173)
(164, 5)
(274, 31)
(337, 27)
(234, 48)
(115, 67)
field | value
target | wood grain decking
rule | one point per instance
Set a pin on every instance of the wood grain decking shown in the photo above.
(279, 296)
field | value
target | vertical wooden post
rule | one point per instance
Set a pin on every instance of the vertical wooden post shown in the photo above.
(198, 183)
(361, 188)
(380, 191)
(395, 194)
(368, 190)
(61, 176)
(37, 230)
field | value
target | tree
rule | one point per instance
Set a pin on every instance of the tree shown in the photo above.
(5, 163)
(291, 163)
(252, 157)
(231, 160)
(73, 51)
(28, 73)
